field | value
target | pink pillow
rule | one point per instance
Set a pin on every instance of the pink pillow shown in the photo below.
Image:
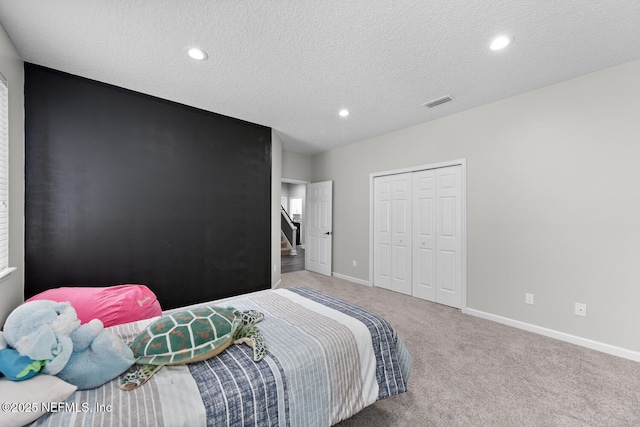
(114, 305)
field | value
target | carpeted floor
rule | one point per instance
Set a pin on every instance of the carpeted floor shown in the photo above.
(473, 372)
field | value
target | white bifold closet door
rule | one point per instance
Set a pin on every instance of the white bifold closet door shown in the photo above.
(437, 248)
(417, 234)
(392, 239)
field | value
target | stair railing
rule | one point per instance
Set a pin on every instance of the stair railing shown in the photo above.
(287, 227)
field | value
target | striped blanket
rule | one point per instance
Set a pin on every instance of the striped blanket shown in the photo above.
(326, 360)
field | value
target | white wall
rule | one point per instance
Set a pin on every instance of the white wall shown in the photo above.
(11, 66)
(296, 166)
(284, 192)
(553, 201)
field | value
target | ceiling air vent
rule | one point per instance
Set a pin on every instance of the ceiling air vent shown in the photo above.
(438, 101)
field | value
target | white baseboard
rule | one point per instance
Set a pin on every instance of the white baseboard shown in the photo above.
(573, 339)
(351, 279)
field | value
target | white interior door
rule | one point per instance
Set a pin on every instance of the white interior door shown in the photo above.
(319, 232)
(382, 232)
(437, 227)
(424, 234)
(449, 236)
(392, 232)
(401, 233)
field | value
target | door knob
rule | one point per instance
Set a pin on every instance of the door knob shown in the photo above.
(328, 233)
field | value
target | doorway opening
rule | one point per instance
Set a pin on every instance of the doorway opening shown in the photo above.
(293, 197)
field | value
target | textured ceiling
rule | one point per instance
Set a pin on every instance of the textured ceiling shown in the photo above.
(292, 65)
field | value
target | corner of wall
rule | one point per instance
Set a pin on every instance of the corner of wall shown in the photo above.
(276, 178)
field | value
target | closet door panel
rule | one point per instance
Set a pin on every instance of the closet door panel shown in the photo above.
(448, 236)
(382, 232)
(401, 198)
(424, 215)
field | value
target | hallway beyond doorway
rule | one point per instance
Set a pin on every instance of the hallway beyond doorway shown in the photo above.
(290, 263)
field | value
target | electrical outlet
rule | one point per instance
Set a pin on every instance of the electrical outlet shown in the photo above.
(354, 262)
(581, 309)
(528, 298)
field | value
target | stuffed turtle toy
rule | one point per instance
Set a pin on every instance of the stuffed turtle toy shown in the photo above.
(190, 336)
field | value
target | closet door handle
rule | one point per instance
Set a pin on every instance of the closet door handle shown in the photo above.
(328, 233)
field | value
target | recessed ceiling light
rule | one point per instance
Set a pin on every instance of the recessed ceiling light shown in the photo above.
(500, 42)
(197, 54)
(344, 112)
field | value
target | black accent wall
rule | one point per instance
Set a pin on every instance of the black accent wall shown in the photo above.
(123, 187)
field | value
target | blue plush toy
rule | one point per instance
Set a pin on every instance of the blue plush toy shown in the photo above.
(14, 366)
(86, 355)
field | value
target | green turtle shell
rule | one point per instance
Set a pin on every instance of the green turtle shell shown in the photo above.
(186, 336)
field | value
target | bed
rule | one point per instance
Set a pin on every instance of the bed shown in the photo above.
(326, 360)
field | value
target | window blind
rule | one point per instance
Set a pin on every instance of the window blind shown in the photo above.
(4, 174)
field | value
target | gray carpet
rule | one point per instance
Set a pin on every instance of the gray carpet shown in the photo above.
(473, 372)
